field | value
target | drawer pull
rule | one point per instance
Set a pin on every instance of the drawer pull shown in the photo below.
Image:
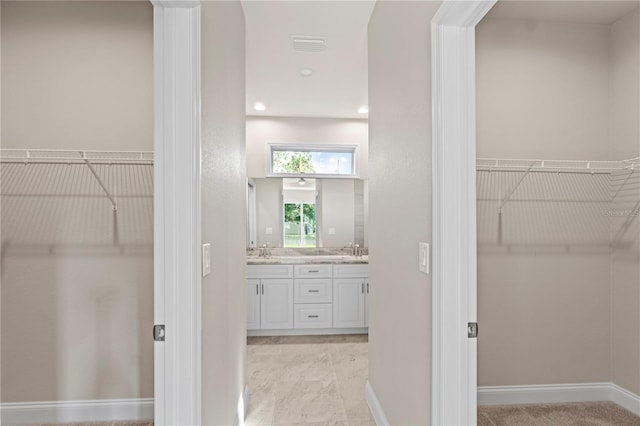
(312, 316)
(314, 270)
(313, 291)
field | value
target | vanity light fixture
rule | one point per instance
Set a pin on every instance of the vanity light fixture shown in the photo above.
(259, 106)
(302, 181)
(363, 109)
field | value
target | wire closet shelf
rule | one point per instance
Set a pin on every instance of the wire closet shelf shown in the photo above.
(74, 197)
(557, 202)
(557, 166)
(53, 156)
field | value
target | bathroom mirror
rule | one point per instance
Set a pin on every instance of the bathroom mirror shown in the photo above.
(306, 212)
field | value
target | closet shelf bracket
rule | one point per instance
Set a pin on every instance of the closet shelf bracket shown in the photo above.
(114, 206)
(513, 190)
(632, 214)
(631, 171)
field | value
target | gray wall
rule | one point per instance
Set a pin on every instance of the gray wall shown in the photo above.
(558, 91)
(76, 75)
(399, 218)
(625, 137)
(543, 92)
(223, 210)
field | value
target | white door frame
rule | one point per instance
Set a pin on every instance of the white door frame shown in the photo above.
(454, 281)
(177, 226)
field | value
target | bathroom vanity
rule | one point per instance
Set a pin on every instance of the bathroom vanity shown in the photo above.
(307, 294)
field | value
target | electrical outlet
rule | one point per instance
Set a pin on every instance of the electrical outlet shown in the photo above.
(268, 231)
(332, 231)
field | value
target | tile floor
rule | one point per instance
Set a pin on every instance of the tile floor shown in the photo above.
(320, 380)
(308, 380)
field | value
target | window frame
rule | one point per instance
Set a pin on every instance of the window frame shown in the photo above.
(344, 148)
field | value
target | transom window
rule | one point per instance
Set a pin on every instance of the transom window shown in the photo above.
(323, 161)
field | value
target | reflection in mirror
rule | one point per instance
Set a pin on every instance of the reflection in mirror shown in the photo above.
(306, 212)
(299, 212)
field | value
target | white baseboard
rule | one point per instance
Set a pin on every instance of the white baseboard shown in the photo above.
(374, 406)
(76, 411)
(541, 394)
(625, 398)
(307, 331)
(548, 394)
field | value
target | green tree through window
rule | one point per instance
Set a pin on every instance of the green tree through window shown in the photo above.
(292, 162)
(299, 230)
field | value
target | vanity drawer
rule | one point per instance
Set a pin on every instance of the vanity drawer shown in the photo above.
(269, 271)
(351, 271)
(313, 271)
(313, 315)
(313, 290)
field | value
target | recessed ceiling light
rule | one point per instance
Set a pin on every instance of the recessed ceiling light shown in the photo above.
(305, 72)
(259, 106)
(363, 110)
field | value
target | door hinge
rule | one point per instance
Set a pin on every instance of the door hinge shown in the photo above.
(472, 328)
(158, 332)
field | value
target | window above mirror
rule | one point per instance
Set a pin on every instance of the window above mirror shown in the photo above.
(313, 160)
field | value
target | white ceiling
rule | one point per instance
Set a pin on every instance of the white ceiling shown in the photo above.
(585, 12)
(338, 86)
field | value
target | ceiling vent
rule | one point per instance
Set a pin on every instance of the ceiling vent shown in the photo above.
(308, 44)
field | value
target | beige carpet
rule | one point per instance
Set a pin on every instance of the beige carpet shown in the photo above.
(574, 414)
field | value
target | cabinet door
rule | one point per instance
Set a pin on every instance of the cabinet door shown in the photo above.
(348, 302)
(366, 304)
(276, 304)
(253, 304)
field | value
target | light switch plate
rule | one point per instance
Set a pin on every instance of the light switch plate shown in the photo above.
(268, 231)
(206, 259)
(332, 231)
(424, 258)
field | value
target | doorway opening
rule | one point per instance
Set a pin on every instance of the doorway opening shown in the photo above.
(307, 144)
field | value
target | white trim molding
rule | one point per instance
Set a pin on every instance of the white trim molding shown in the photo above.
(99, 410)
(625, 399)
(177, 226)
(549, 394)
(454, 281)
(374, 406)
(543, 394)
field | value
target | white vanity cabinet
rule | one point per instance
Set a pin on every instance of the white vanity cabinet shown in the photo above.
(307, 299)
(349, 300)
(313, 296)
(269, 297)
(253, 304)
